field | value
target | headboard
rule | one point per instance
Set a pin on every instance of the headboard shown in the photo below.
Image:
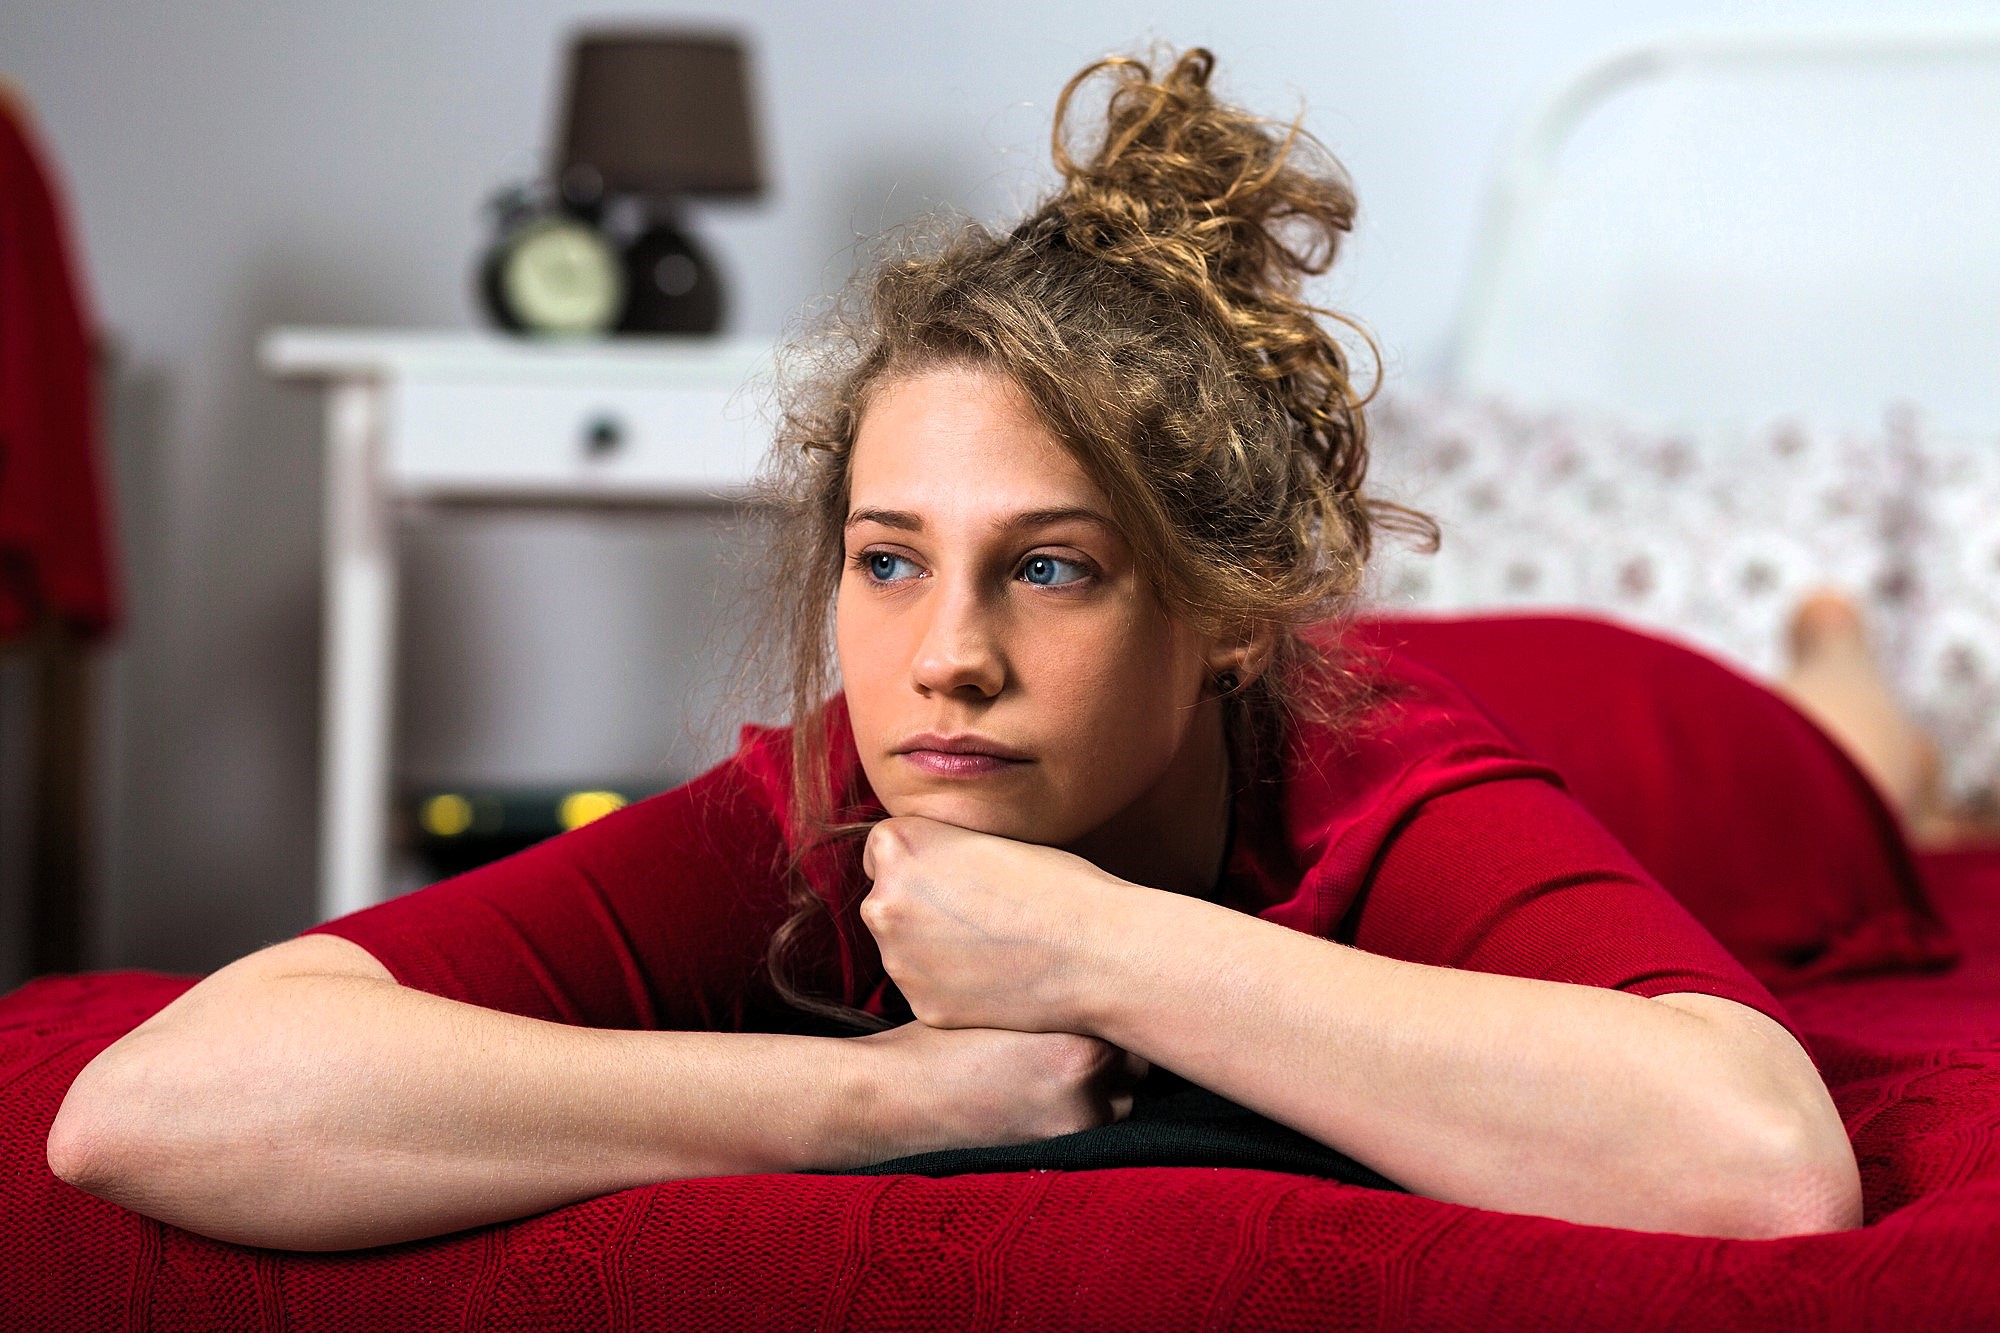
(1736, 225)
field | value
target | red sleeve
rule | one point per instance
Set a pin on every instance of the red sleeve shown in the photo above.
(655, 916)
(1516, 877)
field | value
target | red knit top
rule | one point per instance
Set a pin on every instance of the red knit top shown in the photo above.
(1418, 830)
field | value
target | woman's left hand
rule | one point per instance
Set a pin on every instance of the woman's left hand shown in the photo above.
(983, 931)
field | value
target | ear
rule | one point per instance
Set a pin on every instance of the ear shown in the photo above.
(1247, 653)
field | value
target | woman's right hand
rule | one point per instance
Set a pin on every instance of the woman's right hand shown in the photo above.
(985, 1087)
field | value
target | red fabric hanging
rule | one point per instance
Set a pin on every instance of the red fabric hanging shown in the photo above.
(55, 540)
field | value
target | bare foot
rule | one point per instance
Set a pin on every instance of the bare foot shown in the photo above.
(1834, 679)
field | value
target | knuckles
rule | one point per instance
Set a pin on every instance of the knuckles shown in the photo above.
(889, 843)
(1067, 1120)
(935, 1008)
(1077, 1106)
(1075, 1057)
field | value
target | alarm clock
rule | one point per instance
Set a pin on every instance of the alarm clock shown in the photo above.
(551, 271)
(670, 284)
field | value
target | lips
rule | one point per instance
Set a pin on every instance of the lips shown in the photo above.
(967, 743)
(965, 756)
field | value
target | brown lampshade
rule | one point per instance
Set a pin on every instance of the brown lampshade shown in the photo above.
(659, 113)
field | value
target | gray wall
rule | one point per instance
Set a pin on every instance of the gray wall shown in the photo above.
(241, 165)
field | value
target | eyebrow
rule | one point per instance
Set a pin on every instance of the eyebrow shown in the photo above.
(904, 520)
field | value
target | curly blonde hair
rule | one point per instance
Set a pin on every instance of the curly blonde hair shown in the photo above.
(1150, 310)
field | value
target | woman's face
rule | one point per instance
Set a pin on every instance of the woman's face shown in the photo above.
(988, 601)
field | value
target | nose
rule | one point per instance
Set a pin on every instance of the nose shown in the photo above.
(960, 651)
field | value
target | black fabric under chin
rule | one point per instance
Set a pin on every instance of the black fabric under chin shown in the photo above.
(1173, 1123)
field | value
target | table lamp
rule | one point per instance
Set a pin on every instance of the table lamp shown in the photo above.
(652, 118)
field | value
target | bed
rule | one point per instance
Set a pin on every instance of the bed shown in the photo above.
(1913, 1060)
(1905, 1028)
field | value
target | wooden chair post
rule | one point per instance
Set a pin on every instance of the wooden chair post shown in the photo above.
(59, 918)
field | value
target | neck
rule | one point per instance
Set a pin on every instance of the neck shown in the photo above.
(1174, 836)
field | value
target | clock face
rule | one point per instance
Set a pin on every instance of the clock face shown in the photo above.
(561, 276)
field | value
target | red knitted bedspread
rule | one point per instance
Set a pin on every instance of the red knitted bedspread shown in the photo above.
(1914, 1063)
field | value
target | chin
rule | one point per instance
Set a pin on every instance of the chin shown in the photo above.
(968, 812)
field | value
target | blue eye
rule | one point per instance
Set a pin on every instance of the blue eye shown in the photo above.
(881, 565)
(1047, 571)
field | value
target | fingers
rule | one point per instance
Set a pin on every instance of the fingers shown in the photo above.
(905, 833)
(1118, 1081)
(885, 840)
(1120, 1066)
(868, 855)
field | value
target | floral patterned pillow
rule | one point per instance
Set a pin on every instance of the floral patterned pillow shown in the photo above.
(1713, 536)
(1949, 666)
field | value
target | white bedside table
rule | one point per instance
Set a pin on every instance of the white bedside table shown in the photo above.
(476, 418)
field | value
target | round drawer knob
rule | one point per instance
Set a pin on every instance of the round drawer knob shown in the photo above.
(603, 436)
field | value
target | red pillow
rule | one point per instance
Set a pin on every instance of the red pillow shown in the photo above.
(1734, 800)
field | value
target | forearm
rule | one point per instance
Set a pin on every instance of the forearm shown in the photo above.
(337, 1112)
(1502, 1092)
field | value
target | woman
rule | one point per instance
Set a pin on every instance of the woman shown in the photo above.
(1097, 795)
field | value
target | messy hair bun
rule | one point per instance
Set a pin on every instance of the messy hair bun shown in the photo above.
(1151, 310)
(1201, 199)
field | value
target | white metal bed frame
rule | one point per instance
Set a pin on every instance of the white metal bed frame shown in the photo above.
(1522, 187)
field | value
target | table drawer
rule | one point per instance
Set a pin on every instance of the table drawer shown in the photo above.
(491, 438)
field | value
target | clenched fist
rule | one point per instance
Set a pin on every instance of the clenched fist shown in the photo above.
(983, 1088)
(983, 931)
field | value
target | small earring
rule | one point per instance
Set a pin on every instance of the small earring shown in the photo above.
(1226, 682)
